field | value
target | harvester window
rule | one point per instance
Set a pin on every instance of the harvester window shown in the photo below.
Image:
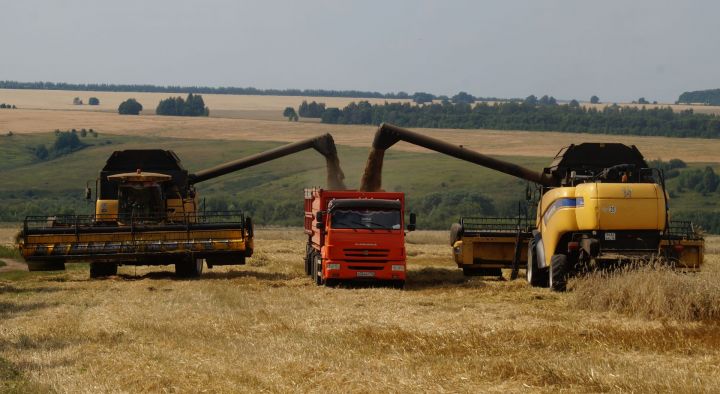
(140, 201)
(366, 219)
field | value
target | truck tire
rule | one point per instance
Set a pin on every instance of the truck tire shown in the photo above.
(536, 276)
(308, 259)
(46, 266)
(101, 270)
(456, 232)
(189, 267)
(317, 269)
(559, 272)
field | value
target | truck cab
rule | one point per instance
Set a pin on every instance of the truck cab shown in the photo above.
(355, 236)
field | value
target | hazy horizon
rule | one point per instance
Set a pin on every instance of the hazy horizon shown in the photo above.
(616, 50)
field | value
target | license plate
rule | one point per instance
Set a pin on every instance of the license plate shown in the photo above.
(366, 274)
(609, 236)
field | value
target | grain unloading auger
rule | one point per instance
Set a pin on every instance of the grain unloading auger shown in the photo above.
(599, 204)
(147, 212)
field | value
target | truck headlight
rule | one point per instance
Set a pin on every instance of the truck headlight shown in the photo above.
(333, 266)
(398, 267)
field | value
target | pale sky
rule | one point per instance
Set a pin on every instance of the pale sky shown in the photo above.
(619, 50)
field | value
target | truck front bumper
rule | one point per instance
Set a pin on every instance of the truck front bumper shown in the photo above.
(344, 270)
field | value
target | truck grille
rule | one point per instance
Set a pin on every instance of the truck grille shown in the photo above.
(366, 252)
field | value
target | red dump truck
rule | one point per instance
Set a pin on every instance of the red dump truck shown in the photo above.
(355, 236)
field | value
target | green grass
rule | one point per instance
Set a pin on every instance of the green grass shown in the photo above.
(10, 252)
(272, 192)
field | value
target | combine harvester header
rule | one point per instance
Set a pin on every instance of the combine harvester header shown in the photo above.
(147, 212)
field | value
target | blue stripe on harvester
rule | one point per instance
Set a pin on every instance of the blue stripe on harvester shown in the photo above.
(562, 203)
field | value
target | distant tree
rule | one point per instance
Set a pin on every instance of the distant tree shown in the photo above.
(574, 103)
(10, 133)
(93, 101)
(193, 105)
(531, 100)
(422, 97)
(290, 114)
(463, 98)
(41, 152)
(14, 107)
(545, 100)
(331, 115)
(83, 133)
(77, 101)
(312, 110)
(642, 100)
(594, 100)
(130, 107)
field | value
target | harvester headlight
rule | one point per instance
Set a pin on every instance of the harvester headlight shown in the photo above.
(398, 267)
(333, 266)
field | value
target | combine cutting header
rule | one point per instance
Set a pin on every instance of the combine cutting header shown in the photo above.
(147, 212)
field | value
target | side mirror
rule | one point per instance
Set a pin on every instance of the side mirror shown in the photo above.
(88, 193)
(320, 217)
(411, 225)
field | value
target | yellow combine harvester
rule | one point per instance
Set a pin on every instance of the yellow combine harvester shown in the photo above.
(147, 212)
(599, 205)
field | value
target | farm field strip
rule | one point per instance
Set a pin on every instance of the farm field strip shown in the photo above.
(493, 142)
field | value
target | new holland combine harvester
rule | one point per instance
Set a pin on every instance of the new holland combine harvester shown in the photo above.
(599, 205)
(147, 212)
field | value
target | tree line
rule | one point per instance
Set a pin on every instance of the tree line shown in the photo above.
(193, 105)
(532, 114)
(709, 97)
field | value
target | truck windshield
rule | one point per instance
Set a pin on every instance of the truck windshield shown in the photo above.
(367, 219)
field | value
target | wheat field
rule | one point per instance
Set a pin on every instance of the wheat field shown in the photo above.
(266, 327)
(493, 142)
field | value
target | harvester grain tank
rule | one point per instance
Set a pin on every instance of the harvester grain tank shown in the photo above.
(355, 236)
(148, 212)
(599, 204)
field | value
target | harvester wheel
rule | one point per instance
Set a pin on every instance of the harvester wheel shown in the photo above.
(46, 266)
(558, 272)
(536, 276)
(101, 270)
(189, 267)
(317, 270)
(456, 232)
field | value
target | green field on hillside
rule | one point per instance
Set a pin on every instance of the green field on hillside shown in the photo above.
(438, 188)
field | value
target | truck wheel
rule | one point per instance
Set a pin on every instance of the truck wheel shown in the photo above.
(101, 270)
(558, 272)
(536, 276)
(456, 232)
(308, 259)
(317, 270)
(398, 284)
(46, 266)
(189, 267)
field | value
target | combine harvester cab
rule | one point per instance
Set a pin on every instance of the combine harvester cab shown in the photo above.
(355, 236)
(598, 204)
(147, 212)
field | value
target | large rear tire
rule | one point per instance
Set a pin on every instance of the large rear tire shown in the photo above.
(536, 276)
(559, 271)
(189, 267)
(102, 270)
